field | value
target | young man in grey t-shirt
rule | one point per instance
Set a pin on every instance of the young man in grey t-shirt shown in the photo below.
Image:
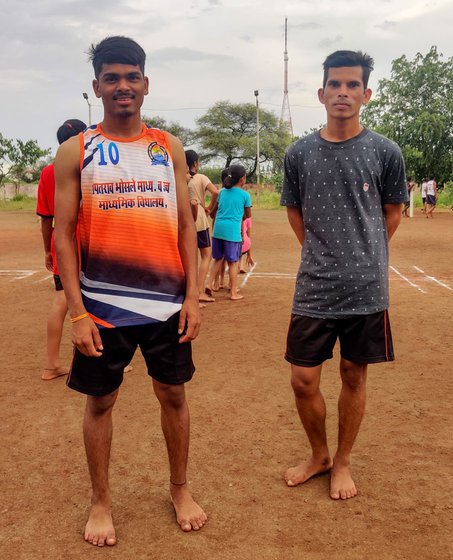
(344, 188)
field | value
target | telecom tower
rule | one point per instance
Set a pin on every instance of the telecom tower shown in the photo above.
(286, 111)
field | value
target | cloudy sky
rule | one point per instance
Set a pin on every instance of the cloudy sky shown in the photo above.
(199, 52)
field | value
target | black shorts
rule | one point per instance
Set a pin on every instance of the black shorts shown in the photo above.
(431, 199)
(203, 239)
(364, 339)
(168, 361)
(58, 284)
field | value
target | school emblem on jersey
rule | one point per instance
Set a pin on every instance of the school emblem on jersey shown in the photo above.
(158, 154)
(366, 186)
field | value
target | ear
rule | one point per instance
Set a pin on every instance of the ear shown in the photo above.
(367, 96)
(96, 88)
(321, 95)
(146, 85)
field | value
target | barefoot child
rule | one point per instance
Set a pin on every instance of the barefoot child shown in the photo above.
(233, 203)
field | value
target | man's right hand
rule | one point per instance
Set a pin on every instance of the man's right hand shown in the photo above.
(86, 338)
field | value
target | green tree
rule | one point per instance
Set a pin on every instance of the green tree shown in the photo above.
(414, 107)
(227, 133)
(19, 160)
(184, 134)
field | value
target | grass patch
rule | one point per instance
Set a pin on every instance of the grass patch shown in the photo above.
(266, 199)
(19, 202)
(444, 200)
(271, 200)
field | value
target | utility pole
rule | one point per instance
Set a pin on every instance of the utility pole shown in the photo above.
(257, 140)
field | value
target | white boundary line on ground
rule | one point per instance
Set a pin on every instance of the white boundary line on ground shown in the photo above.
(273, 276)
(279, 274)
(18, 274)
(247, 276)
(8, 271)
(407, 280)
(433, 279)
(43, 279)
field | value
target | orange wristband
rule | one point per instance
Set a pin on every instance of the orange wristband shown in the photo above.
(79, 317)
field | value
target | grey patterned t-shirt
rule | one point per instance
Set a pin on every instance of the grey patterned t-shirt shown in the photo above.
(341, 188)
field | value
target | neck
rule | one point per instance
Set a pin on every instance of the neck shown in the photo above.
(122, 127)
(341, 130)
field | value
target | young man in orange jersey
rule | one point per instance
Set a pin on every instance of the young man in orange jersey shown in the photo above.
(126, 184)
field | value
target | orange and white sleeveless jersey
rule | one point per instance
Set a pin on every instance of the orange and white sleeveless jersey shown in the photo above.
(131, 271)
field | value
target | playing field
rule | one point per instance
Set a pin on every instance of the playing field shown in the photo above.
(245, 429)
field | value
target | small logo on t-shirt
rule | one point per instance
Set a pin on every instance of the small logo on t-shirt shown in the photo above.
(158, 154)
(366, 186)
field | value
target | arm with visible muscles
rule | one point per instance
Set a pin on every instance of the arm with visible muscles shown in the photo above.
(394, 184)
(85, 335)
(392, 214)
(187, 243)
(296, 222)
(291, 195)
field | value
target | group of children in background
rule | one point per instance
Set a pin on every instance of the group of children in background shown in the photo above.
(230, 210)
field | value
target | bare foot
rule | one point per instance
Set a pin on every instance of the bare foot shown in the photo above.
(201, 305)
(205, 298)
(306, 470)
(189, 514)
(236, 297)
(341, 484)
(52, 373)
(99, 529)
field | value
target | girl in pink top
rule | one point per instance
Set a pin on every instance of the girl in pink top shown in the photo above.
(246, 258)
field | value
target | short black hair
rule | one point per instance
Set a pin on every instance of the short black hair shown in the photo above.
(339, 59)
(191, 157)
(116, 50)
(70, 128)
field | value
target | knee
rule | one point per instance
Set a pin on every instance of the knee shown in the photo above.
(98, 406)
(303, 386)
(353, 376)
(206, 254)
(171, 396)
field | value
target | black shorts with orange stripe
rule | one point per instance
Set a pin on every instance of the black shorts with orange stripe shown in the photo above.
(364, 339)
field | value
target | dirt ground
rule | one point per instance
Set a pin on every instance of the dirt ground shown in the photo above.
(245, 429)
